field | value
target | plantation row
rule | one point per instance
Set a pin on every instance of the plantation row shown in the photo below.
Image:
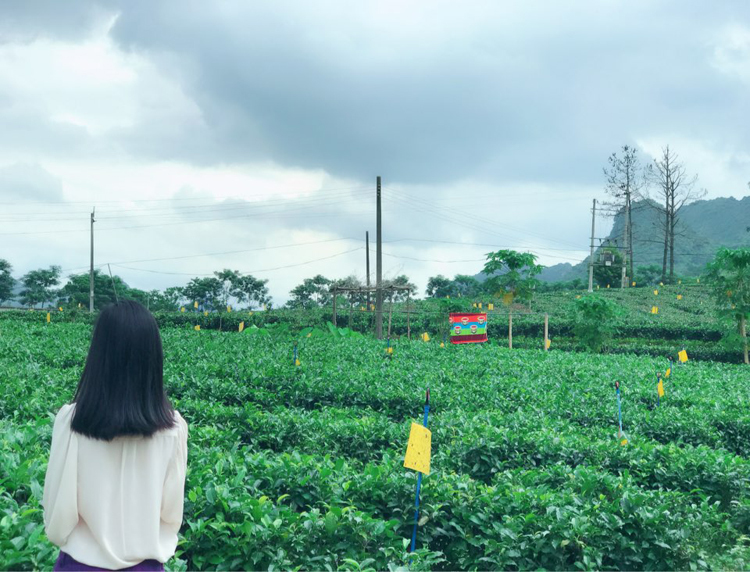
(302, 466)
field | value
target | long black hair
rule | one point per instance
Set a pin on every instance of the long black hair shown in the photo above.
(121, 391)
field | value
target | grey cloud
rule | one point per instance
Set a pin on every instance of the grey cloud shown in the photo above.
(27, 21)
(29, 182)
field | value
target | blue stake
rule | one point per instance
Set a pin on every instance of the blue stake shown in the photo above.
(619, 408)
(419, 480)
(295, 355)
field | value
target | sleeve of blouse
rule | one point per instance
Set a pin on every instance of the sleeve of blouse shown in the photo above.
(60, 498)
(174, 483)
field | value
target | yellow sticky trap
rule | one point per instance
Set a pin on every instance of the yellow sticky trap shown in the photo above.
(197, 328)
(669, 372)
(698, 280)
(442, 345)
(661, 283)
(683, 356)
(448, 296)
(242, 326)
(548, 343)
(389, 350)
(60, 308)
(660, 389)
(264, 307)
(490, 306)
(182, 309)
(578, 297)
(633, 283)
(249, 313)
(597, 286)
(297, 362)
(607, 285)
(205, 312)
(656, 292)
(229, 308)
(372, 307)
(49, 317)
(654, 310)
(679, 282)
(624, 442)
(419, 449)
(474, 305)
(480, 305)
(679, 296)
(361, 308)
(79, 305)
(195, 304)
(425, 337)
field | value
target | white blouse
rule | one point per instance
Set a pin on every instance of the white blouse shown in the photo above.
(113, 504)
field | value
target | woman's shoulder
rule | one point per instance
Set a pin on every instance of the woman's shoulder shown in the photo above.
(179, 423)
(65, 412)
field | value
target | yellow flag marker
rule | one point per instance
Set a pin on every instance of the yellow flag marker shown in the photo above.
(480, 305)
(668, 372)
(49, 317)
(548, 343)
(197, 328)
(442, 345)
(679, 296)
(474, 305)
(660, 389)
(205, 312)
(419, 449)
(195, 304)
(661, 283)
(297, 362)
(242, 326)
(654, 310)
(182, 309)
(229, 308)
(60, 308)
(683, 356)
(490, 306)
(425, 337)
(633, 283)
(656, 292)
(389, 350)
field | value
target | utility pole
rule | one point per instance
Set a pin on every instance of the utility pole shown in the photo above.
(367, 258)
(591, 257)
(378, 267)
(91, 270)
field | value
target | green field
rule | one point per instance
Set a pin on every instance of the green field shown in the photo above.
(301, 467)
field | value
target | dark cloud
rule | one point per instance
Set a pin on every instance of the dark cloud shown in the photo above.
(28, 21)
(530, 95)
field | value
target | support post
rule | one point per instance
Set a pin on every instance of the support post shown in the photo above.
(419, 480)
(591, 256)
(510, 329)
(408, 320)
(546, 332)
(367, 263)
(379, 266)
(91, 270)
(390, 314)
(334, 307)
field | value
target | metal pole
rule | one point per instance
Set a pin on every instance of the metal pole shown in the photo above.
(591, 257)
(419, 481)
(367, 259)
(379, 267)
(91, 270)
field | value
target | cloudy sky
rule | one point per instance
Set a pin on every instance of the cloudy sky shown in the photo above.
(249, 135)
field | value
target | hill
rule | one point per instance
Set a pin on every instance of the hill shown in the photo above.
(704, 227)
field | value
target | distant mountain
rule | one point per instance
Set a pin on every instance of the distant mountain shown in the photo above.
(704, 227)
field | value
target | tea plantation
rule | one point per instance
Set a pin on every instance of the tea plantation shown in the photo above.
(302, 466)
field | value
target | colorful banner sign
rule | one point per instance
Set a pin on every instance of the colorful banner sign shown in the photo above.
(468, 328)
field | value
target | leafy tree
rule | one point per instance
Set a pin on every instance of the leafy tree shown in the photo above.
(230, 280)
(647, 275)
(208, 292)
(357, 298)
(252, 290)
(594, 323)
(400, 282)
(313, 292)
(76, 290)
(439, 287)
(39, 286)
(6, 281)
(466, 286)
(609, 275)
(730, 274)
(511, 272)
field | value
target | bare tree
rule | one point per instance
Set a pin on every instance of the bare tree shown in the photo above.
(625, 181)
(674, 189)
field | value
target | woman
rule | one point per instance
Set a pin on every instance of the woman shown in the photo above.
(113, 493)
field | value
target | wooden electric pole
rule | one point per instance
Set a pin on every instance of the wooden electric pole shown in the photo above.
(378, 267)
(91, 269)
(591, 257)
(367, 260)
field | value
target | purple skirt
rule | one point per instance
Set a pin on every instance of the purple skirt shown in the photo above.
(67, 563)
